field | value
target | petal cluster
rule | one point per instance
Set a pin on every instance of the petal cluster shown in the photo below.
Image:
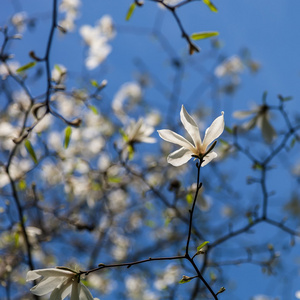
(198, 149)
(60, 282)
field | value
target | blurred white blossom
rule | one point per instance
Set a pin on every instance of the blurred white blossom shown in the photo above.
(71, 10)
(97, 38)
(19, 21)
(130, 91)
(260, 117)
(232, 66)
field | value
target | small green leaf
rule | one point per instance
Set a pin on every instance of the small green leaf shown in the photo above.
(114, 179)
(210, 5)
(22, 184)
(202, 245)
(93, 109)
(130, 11)
(68, 133)
(185, 279)
(57, 67)
(228, 129)
(293, 141)
(30, 150)
(189, 198)
(94, 83)
(26, 67)
(204, 35)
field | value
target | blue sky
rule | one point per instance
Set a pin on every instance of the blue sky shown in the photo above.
(269, 29)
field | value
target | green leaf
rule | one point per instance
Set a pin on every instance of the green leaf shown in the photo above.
(130, 11)
(94, 83)
(228, 129)
(185, 279)
(22, 184)
(210, 5)
(26, 67)
(68, 133)
(293, 141)
(204, 35)
(114, 179)
(189, 198)
(30, 150)
(93, 109)
(57, 67)
(202, 245)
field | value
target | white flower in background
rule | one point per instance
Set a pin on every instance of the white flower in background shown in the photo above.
(71, 9)
(58, 74)
(231, 66)
(19, 21)
(260, 118)
(138, 132)
(7, 68)
(198, 149)
(97, 39)
(297, 294)
(97, 53)
(60, 282)
(130, 91)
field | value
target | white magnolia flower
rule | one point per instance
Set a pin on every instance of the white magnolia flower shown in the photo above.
(188, 150)
(260, 117)
(231, 66)
(60, 282)
(138, 132)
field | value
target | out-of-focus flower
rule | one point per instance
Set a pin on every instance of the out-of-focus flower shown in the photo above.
(261, 297)
(60, 282)
(260, 118)
(139, 132)
(131, 91)
(297, 294)
(70, 7)
(199, 149)
(231, 66)
(7, 68)
(97, 39)
(19, 21)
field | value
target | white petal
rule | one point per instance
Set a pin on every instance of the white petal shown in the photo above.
(242, 114)
(175, 138)
(51, 272)
(179, 157)
(75, 290)
(190, 126)
(84, 293)
(62, 291)
(148, 139)
(214, 131)
(208, 158)
(47, 285)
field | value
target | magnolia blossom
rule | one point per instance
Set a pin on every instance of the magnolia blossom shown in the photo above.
(199, 149)
(260, 118)
(60, 282)
(138, 132)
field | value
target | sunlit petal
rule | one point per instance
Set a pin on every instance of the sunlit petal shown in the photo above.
(84, 293)
(179, 157)
(173, 137)
(190, 126)
(47, 285)
(61, 291)
(214, 131)
(208, 158)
